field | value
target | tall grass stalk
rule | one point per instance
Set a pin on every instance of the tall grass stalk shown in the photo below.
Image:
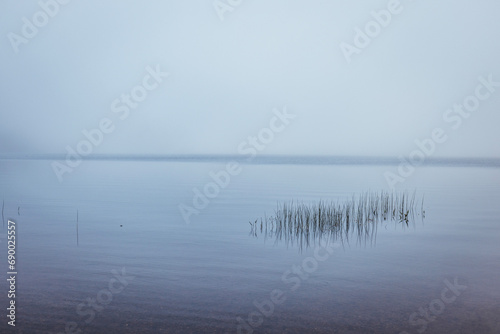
(77, 241)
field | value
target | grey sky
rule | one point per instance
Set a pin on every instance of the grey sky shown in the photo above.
(227, 76)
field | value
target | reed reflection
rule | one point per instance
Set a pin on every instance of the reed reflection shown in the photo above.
(304, 225)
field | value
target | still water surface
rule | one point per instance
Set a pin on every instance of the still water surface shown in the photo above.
(207, 276)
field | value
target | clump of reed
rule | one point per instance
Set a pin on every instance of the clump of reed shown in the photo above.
(307, 223)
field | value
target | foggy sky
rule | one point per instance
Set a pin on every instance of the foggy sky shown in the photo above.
(226, 76)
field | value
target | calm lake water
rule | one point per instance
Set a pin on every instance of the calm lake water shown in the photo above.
(139, 267)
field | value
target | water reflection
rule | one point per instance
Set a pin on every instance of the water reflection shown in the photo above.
(304, 225)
